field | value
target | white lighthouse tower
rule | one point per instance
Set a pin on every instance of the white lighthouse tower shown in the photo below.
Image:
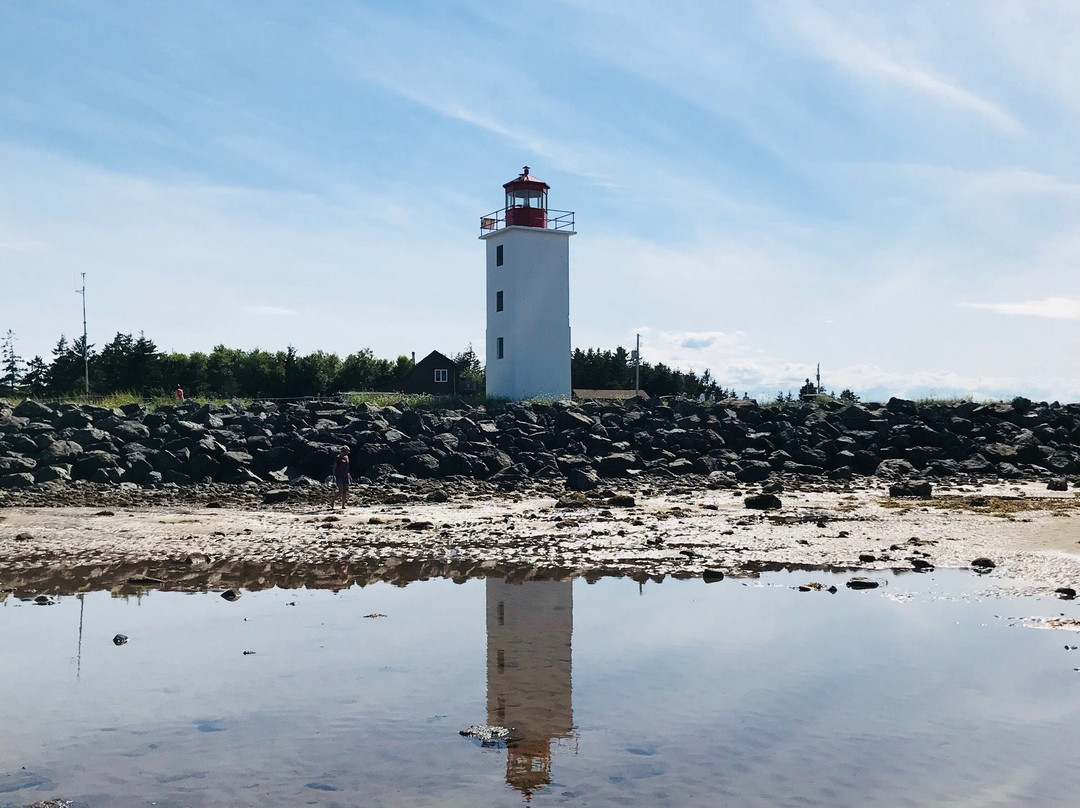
(528, 294)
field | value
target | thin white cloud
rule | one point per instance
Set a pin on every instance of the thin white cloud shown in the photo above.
(277, 311)
(823, 35)
(1056, 308)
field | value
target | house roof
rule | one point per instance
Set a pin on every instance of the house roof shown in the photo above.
(608, 395)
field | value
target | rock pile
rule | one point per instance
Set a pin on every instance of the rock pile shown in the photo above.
(730, 442)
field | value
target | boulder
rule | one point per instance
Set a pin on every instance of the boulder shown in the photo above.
(60, 451)
(568, 419)
(617, 464)
(762, 502)
(753, 471)
(862, 583)
(681, 466)
(422, 465)
(895, 469)
(19, 480)
(89, 463)
(35, 411)
(16, 465)
(48, 474)
(919, 489)
(582, 479)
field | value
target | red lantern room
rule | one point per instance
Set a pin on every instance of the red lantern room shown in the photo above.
(526, 201)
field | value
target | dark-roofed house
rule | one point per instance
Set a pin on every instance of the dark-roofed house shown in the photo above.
(435, 374)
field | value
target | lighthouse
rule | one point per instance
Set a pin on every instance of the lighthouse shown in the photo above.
(528, 293)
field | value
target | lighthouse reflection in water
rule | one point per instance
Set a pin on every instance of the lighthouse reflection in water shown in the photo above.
(529, 628)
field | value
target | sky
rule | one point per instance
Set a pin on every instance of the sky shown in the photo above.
(891, 190)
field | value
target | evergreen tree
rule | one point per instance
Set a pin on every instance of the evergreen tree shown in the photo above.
(66, 373)
(470, 369)
(36, 379)
(10, 364)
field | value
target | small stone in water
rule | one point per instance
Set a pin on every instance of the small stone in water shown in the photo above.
(488, 735)
(862, 583)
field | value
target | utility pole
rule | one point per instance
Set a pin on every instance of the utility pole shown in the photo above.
(818, 377)
(85, 357)
(637, 366)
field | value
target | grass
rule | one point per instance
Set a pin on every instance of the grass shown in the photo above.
(115, 400)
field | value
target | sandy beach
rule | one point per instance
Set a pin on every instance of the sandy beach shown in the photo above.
(1031, 535)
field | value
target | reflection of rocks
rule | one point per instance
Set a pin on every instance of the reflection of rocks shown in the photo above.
(179, 576)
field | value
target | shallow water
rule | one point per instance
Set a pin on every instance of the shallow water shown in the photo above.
(740, 692)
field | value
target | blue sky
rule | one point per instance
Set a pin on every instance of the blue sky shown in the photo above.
(889, 189)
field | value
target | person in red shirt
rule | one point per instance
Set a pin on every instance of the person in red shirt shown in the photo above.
(342, 476)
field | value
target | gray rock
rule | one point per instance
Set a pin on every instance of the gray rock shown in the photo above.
(60, 451)
(48, 474)
(862, 583)
(16, 465)
(763, 502)
(21, 480)
(489, 735)
(753, 471)
(911, 488)
(582, 479)
(34, 411)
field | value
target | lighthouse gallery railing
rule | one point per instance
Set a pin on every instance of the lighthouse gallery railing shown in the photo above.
(555, 220)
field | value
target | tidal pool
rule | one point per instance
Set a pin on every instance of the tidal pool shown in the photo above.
(743, 692)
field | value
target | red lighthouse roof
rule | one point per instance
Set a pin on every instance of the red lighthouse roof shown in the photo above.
(527, 206)
(526, 180)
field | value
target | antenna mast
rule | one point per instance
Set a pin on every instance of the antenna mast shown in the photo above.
(637, 367)
(85, 358)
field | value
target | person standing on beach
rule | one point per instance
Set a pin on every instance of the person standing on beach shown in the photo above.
(342, 476)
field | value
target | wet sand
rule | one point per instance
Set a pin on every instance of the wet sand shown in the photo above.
(1032, 535)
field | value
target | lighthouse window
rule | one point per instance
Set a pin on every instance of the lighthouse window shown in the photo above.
(441, 374)
(498, 301)
(499, 347)
(498, 255)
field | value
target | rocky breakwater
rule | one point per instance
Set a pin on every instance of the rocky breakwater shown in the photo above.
(286, 446)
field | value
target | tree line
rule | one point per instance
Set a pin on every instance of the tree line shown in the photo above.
(594, 369)
(129, 364)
